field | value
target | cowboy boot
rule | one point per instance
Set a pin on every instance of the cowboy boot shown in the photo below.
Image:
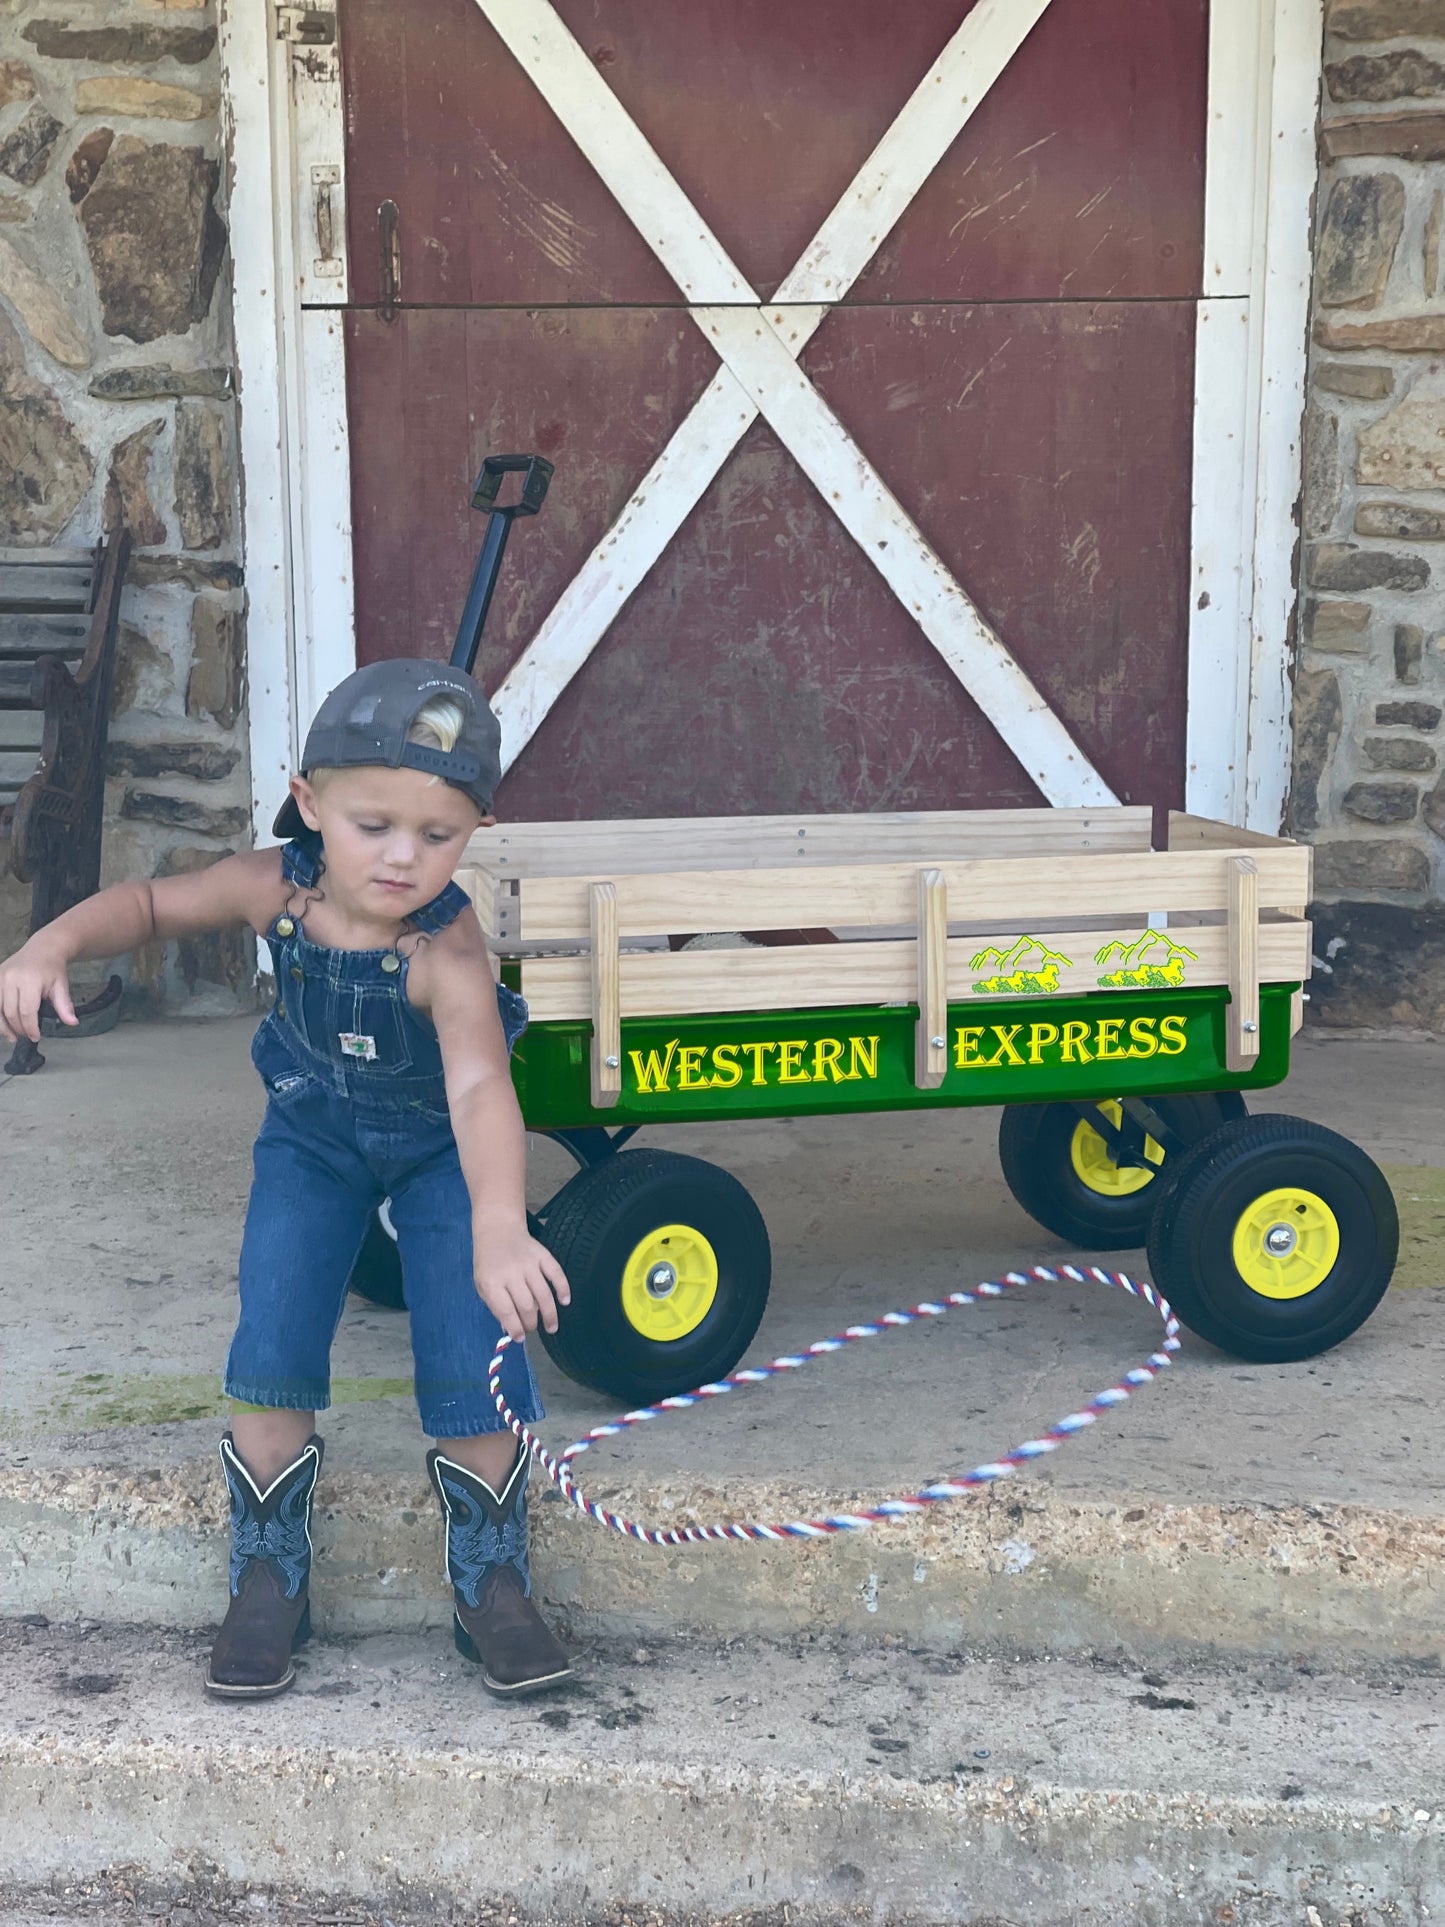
(270, 1611)
(496, 1623)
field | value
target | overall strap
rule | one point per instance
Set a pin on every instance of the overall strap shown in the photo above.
(441, 911)
(301, 861)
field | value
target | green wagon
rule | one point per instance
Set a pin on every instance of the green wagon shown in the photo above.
(1118, 1000)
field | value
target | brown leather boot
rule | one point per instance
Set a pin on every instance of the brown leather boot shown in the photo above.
(270, 1611)
(496, 1623)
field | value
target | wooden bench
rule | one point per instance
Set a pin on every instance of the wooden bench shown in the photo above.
(59, 616)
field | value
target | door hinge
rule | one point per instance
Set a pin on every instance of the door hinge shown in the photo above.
(306, 26)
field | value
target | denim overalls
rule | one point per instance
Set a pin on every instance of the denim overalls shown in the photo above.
(358, 1113)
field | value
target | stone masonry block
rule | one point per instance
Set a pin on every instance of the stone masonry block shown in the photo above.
(155, 238)
(1409, 649)
(1358, 238)
(137, 45)
(1342, 567)
(1406, 447)
(1337, 628)
(25, 153)
(1411, 334)
(186, 813)
(1408, 715)
(1395, 75)
(1400, 522)
(1372, 863)
(1398, 752)
(1318, 714)
(1413, 136)
(202, 476)
(1356, 383)
(1381, 802)
(1385, 19)
(1323, 479)
(217, 665)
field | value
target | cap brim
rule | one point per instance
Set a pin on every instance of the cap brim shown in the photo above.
(290, 823)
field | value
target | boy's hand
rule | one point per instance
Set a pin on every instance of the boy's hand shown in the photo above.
(518, 1280)
(27, 980)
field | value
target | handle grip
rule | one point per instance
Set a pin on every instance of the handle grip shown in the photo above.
(536, 473)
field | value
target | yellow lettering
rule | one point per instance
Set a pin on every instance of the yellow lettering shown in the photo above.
(689, 1059)
(727, 1071)
(1106, 1038)
(1171, 1036)
(1039, 1035)
(789, 1071)
(1073, 1041)
(827, 1052)
(1142, 1041)
(863, 1056)
(652, 1071)
(757, 1052)
(965, 1047)
(1006, 1054)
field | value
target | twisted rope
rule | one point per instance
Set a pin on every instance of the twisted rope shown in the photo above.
(559, 1471)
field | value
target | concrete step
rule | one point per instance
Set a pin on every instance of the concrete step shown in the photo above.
(823, 1777)
(1338, 1585)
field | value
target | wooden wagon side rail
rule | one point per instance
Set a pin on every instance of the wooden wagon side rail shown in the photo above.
(1232, 904)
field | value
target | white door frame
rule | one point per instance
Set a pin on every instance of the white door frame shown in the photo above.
(284, 130)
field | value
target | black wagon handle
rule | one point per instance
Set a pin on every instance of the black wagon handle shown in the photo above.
(536, 474)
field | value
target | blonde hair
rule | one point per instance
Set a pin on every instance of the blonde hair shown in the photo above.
(438, 723)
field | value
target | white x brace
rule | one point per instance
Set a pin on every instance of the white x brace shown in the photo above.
(758, 345)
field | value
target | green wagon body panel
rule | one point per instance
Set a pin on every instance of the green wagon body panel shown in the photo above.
(1018, 1050)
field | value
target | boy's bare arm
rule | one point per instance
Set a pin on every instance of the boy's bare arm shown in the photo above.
(451, 978)
(239, 889)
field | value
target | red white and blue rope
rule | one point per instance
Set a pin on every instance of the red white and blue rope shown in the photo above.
(559, 1471)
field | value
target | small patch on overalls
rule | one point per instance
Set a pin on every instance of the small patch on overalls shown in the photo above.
(353, 1045)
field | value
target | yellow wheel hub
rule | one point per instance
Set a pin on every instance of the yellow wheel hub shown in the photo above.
(1093, 1161)
(1286, 1243)
(669, 1283)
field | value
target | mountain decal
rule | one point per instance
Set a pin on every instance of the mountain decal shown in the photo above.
(1152, 961)
(1028, 968)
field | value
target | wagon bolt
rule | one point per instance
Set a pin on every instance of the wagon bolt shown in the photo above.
(1249, 1025)
(661, 1280)
(937, 1043)
(612, 1062)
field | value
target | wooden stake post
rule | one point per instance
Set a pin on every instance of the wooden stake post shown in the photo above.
(930, 1054)
(1242, 1017)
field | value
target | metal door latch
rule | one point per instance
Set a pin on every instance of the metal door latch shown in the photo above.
(328, 256)
(307, 26)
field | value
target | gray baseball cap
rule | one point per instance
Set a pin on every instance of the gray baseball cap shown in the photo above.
(365, 720)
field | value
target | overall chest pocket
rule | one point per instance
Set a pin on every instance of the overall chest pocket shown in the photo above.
(369, 1031)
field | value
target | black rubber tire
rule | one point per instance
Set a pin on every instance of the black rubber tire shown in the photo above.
(1034, 1143)
(376, 1275)
(1191, 1237)
(594, 1224)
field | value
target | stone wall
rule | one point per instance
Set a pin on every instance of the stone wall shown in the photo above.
(116, 402)
(1369, 791)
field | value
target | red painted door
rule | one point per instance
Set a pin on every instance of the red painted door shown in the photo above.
(1016, 362)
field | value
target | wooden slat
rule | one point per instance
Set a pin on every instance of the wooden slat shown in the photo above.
(1188, 832)
(13, 558)
(1242, 933)
(19, 685)
(685, 982)
(930, 1047)
(23, 637)
(605, 998)
(17, 766)
(45, 588)
(1007, 894)
(22, 729)
(610, 847)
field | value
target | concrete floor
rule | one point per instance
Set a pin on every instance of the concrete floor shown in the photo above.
(126, 1163)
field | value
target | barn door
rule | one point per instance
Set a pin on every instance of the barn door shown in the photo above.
(865, 343)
